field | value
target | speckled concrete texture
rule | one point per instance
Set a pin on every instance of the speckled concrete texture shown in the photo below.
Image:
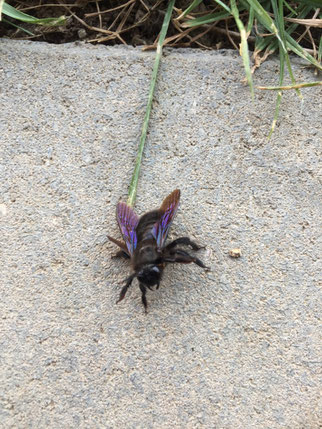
(238, 347)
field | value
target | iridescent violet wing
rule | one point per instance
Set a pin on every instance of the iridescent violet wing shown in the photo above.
(168, 210)
(128, 221)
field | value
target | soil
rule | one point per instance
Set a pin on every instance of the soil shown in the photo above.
(109, 22)
(132, 22)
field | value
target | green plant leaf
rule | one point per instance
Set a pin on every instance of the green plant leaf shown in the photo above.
(193, 5)
(207, 19)
(298, 50)
(223, 5)
(21, 16)
(312, 3)
(263, 17)
(18, 26)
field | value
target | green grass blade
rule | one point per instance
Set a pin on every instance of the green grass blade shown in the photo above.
(135, 178)
(207, 19)
(291, 27)
(250, 23)
(263, 17)
(279, 15)
(1, 6)
(243, 46)
(262, 43)
(312, 3)
(18, 26)
(270, 42)
(193, 5)
(21, 16)
(289, 7)
(224, 6)
(298, 50)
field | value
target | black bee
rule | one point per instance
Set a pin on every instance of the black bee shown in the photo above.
(144, 243)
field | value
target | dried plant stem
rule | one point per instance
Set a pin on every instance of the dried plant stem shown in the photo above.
(295, 86)
(135, 178)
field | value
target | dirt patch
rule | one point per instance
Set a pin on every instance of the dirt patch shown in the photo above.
(109, 22)
(137, 22)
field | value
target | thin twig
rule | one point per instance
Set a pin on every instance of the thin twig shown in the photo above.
(296, 86)
(99, 13)
(88, 15)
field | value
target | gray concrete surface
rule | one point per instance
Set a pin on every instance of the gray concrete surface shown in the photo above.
(239, 347)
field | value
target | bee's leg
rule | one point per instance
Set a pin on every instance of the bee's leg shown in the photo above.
(183, 240)
(182, 257)
(144, 301)
(121, 254)
(125, 288)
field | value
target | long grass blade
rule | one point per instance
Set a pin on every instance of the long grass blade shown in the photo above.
(298, 50)
(207, 19)
(243, 45)
(1, 6)
(223, 5)
(18, 26)
(24, 17)
(135, 178)
(263, 17)
(312, 3)
(192, 6)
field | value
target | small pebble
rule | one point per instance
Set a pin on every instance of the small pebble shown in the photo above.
(235, 253)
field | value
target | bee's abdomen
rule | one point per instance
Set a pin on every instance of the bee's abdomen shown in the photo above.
(145, 225)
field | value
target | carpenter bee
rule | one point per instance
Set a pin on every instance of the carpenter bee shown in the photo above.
(144, 244)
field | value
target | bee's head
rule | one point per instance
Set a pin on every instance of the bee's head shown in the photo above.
(150, 275)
